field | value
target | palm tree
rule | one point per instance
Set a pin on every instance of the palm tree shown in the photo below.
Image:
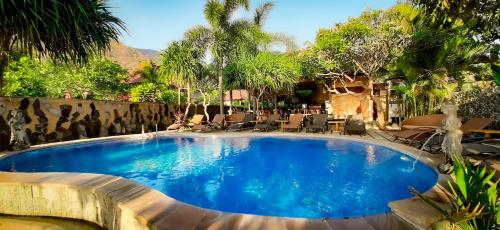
(181, 63)
(61, 30)
(227, 39)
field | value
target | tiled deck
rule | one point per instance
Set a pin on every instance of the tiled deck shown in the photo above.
(118, 203)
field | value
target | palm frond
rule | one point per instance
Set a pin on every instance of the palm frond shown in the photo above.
(262, 12)
(214, 11)
(62, 30)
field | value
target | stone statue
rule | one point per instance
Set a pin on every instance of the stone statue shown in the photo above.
(19, 139)
(452, 140)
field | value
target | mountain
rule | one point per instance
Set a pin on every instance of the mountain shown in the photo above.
(129, 57)
(153, 55)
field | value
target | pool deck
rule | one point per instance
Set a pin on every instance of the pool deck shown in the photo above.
(117, 203)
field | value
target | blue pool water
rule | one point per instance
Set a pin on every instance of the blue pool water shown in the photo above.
(310, 178)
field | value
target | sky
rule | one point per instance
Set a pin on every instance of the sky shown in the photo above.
(153, 24)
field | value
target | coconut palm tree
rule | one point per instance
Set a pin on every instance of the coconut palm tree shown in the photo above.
(226, 38)
(61, 30)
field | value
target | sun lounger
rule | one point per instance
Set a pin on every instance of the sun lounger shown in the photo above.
(175, 126)
(216, 123)
(268, 124)
(426, 121)
(417, 129)
(294, 122)
(195, 120)
(476, 149)
(319, 122)
(243, 124)
(472, 124)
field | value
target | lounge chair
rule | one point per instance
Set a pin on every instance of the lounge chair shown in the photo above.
(418, 128)
(479, 149)
(268, 124)
(216, 123)
(245, 123)
(355, 125)
(294, 122)
(234, 118)
(195, 120)
(178, 122)
(474, 123)
(319, 122)
(485, 149)
(426, 121)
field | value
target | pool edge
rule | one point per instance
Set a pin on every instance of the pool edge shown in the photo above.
(173, 213)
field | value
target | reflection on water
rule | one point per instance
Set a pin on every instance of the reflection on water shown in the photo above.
(265, 176)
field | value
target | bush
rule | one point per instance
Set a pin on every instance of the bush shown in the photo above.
(171, 96)
(480, 103)
(147, 92)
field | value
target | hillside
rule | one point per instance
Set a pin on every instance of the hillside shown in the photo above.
(153, 55)
(129, 57)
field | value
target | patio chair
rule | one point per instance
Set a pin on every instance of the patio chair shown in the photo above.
(426, 121)
(472, 124)
(195, 120)
(488, 149)
(355, 125)
(319, 122)
(268, 124)
(294, 122)
(417, 129)
(245, 123)
(217, 123)
(178, 122)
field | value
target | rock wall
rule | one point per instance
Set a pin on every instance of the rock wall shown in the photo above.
(43, 120)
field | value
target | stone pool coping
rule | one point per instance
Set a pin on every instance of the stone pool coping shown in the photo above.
(117, 203)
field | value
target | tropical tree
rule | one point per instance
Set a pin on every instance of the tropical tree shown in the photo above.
(61, 30)
(366, 45)
(266, 73)
(440, 55)
(206, 85)
(99, 78)
(227, 38)
(181, 63)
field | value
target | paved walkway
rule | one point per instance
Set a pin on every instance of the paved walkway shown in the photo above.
(43, 223)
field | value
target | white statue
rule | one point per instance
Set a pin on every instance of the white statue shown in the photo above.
(452, 143)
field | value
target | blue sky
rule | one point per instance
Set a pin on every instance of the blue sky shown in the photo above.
(153, 24)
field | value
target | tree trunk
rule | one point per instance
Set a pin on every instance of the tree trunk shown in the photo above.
(380, 111)
(231, 99)
(205, 106)
(188, 88)
(179, 97)
(221, 88)
(4, 61)
(4, 58)
(275, 102)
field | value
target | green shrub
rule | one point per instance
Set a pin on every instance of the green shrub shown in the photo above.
(171, 96)
(147, 92)
(474, 201)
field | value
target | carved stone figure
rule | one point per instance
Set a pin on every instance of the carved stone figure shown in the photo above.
(19, 139)
(452, 140)
(82, 132)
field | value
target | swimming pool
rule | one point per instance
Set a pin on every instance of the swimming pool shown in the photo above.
(269, 176)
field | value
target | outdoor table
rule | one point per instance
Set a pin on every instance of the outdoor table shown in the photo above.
(281, 123)
(337, 124)
(487, 132)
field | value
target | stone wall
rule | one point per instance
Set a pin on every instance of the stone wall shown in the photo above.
(43, 120)
(346, 104)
